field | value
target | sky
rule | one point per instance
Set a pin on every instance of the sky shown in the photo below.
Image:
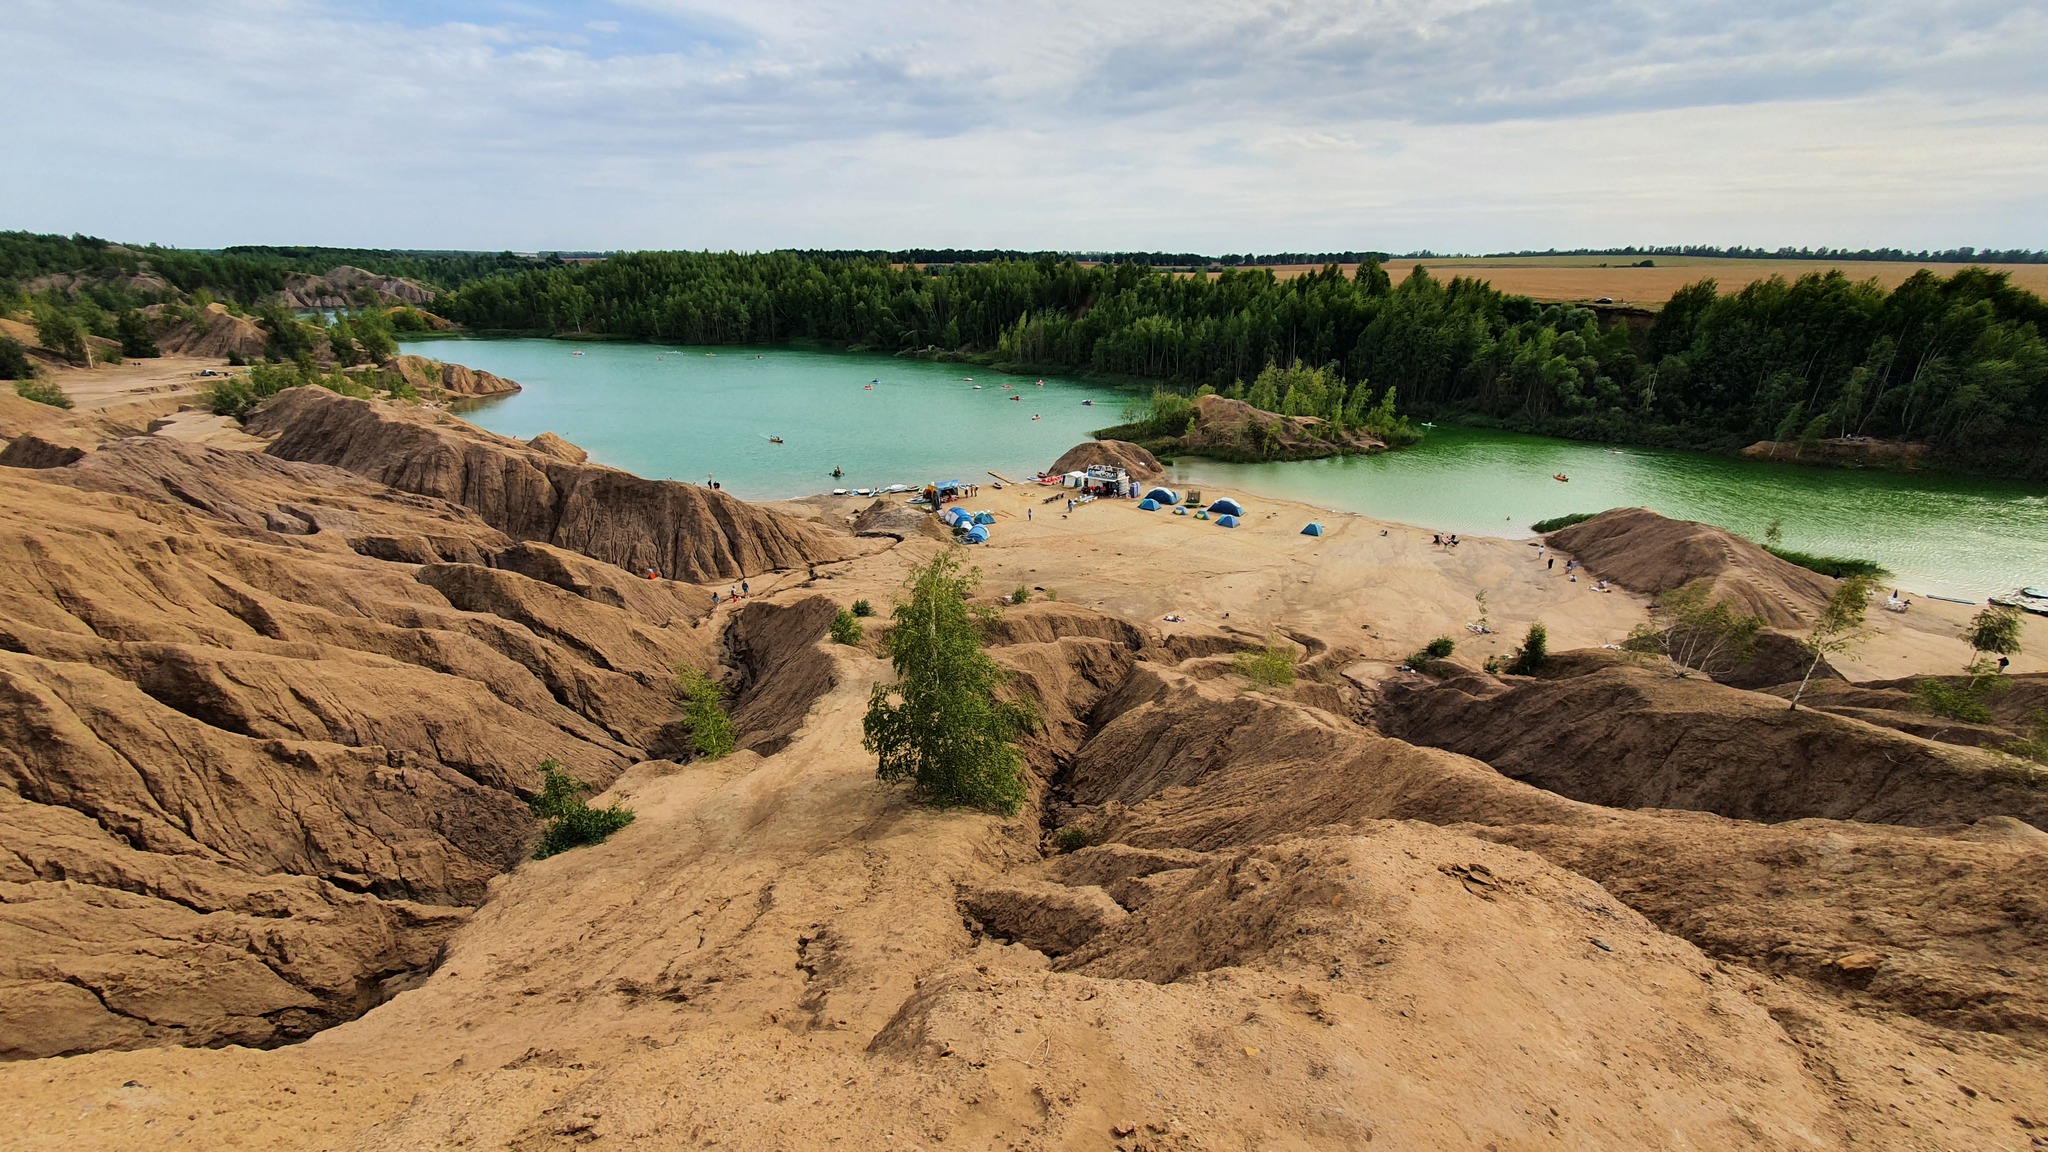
(1182, 125)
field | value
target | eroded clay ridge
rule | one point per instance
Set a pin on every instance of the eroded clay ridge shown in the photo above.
(683, 531)
(265, 727)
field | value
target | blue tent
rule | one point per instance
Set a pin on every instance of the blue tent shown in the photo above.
(1226, 521)
(1180, 511)
(953, 516)
(1228, 507)
(1148, 505)
(984, 517)
(976, 535)
(1163, 495)
(1313, 529)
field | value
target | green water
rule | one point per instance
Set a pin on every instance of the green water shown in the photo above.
(682, 414)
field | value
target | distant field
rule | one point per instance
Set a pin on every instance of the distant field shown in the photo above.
(1571, 278)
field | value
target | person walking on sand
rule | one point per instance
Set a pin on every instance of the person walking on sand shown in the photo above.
(744, 590)
(1027, 513)
(1550, 565)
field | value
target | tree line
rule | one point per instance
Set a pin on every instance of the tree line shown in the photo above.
(1957, 362)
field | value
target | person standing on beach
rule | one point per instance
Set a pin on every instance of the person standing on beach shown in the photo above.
(1027, 513)
(744, 591)
(1550, 565)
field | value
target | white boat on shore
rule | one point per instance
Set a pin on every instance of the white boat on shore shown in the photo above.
(2033, 600)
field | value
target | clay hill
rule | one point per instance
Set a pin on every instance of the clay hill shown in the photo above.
(212, 332)
(1233, 429)
(271, 715)
(1645, 552)
(1140, 464)
(349, 287)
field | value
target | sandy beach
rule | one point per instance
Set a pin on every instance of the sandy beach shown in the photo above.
(1380, 588)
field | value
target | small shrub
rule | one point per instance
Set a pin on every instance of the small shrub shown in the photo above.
(42, 392)
(846, 627)
(1052, 593)
(14, 361)
(1534, 653)
(1071, 838)
(1558, 522)
(1495, 665)
(235, 359)
(2034, 745)
(704, 709)
(1440, 647)
(1271, 666)
(863, 608)
(1021, 595)
(1840, 567)
(1964, 702)
(571, 822)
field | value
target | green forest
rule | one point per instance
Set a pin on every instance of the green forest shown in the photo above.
(1956, 361)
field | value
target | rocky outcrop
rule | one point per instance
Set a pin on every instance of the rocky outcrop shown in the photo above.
(46, 448)
(682, 531)
(1644, 552)
(435, 378)
(559, 448)
(1842, 452)
(1141, 465)
(350, 287)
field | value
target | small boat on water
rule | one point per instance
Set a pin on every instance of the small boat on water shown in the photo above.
(1016, 398)
(1561, 478)
(868, 388)
(774, 439)
(1087, 403)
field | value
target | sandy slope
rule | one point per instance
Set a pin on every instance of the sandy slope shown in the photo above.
(1291, 930)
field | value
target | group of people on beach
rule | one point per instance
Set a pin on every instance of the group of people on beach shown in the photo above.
(732, 595)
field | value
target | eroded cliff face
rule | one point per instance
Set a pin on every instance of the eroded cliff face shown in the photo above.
(265, 730)
(682, 531)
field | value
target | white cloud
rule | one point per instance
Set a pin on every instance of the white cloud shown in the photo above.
(1218, 125)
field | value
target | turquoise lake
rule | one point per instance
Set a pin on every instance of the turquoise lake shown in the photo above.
(691, 413)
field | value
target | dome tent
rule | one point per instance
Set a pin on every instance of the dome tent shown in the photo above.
(984, 517)
(1165, 496)
(1148, 504)
(1227, 507)
(976, 535)
(1226, 521)
(1314, 528)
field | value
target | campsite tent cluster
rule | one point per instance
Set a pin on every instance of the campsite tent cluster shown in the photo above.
(1226, 510)
(969, 527)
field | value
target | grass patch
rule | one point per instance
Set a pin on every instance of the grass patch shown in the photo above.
(1556, 522)
(1071, 838)
(42, 392)
(1271, 666)
(571, 822)
(1840, 567)
(863, 608)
